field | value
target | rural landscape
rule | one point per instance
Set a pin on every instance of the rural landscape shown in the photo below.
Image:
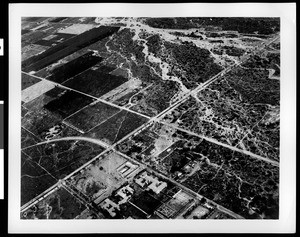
(150, 118)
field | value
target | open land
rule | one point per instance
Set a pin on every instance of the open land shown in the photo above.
(150, 118)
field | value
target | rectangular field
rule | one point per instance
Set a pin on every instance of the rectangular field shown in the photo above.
(62, 157)
(34, 179)
(74, 67)
(68, 103)
(95, 83)
(95, 114)
(69, 46)
(118, 126)
(28, 81)
(58, 205)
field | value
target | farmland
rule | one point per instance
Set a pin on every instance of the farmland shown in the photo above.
(96, 113)
(58, 205)
(67, 47)
(27, 138)
(118, 126)
(150, 118)
(34, 179)
(67, 103)
(28, 81)
(74, 67)
(95, 82)
(60, 158)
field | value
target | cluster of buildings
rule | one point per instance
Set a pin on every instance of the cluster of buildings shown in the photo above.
(123, 195)
(144, 180)
(150, 182)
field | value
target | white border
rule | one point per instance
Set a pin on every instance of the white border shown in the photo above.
(2, 159)
(1, 173)
(1, 47)
(286, 222)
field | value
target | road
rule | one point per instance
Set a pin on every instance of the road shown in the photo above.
(81, 197)
(214, 78)
(150, 121)
(180, 185)
(86, 139)
(90, 96)
(234, 148)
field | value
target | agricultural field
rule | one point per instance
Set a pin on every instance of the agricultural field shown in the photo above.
(31, 50)
(96, 113)
(67, 103)
(28, 138)
(58, 205)
(150, 118)
(95, 82)
(53, 40)
(74, 67)
(45, 120)
(28, 81)
(117, 127)
(34, 179)
(61, 157)
(65, 48)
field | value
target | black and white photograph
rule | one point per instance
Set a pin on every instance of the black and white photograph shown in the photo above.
(161, 117)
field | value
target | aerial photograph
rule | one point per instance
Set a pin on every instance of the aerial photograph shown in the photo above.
(150, 118)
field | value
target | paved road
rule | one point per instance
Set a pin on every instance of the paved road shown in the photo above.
(151, 120)
(87, 139)
(180, 185)
(234, 148)
(90, 96)
(214, 78)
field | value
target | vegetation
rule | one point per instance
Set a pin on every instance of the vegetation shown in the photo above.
(233, 51)
(193, 63)
(155, 99)
(34, 179)
(240, 24)
(255, 86)
(63, 157)
(59, 205)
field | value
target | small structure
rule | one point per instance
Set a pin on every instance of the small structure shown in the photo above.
(126, 169)
(125, 193)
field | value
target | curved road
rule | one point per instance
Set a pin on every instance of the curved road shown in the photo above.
(87, 139)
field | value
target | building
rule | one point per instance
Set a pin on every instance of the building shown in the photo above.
(150, 182)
